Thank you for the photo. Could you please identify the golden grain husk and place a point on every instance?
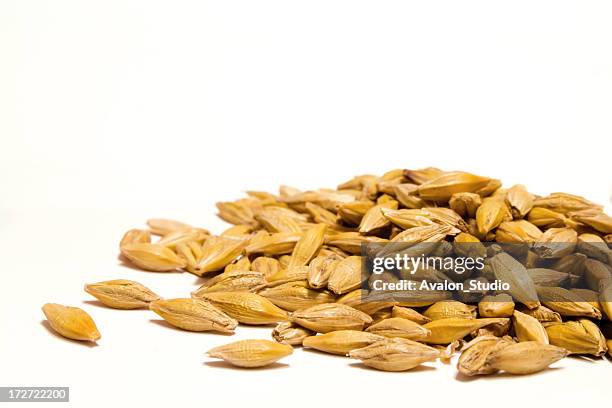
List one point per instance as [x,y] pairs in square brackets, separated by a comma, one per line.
[329,317]
[122,294]
[193,315]
[247,308]
[395,354]
[341,342]
[71,322]
[251,353]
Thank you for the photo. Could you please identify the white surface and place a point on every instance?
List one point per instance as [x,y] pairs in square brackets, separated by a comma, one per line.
[112,112]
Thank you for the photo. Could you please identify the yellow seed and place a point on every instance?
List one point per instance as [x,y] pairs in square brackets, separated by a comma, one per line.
[71,322]
[319,270]
[445,331]
[307,247]
[441,188]
[162,226]
[398,327]
[193,315]
[346,275]
[290,333]
[218,252]
[246,307]
[153,257]
[509,270]
[520,201]
[473,359]
[374,220]
[121,294]
[528,328]
[491,214]
[525,358]
[410,314]
[135,236]
[395,354]
[341,341]
[266,265]
[296,295]
[567,303]
[496,306]
[451,308]
[232,281]
[465,204]
[251,353]
[577,337]
[329,317]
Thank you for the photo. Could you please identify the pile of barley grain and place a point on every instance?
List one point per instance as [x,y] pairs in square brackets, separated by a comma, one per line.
[293,259]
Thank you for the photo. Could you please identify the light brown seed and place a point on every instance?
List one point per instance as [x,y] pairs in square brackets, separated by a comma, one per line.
[341,341]
[528,328]
[566,303]
[153,257]
[450,308]
[251,353]
[442,188]
[308,246]
[496,306]
[395,354]
[122,294]
[410,314]
[465,204]
[520,201]
[577,337]
[162,226]
[398,327]
[320,269]
[247,308]
[491,213]
[446,331]
[193,315]
[296,295]
[346,275]
[331,317]
[232,281]
[135,236]
[71,322]
[525,358]
[473,359]
[509,270]
[217,253]
[290,333]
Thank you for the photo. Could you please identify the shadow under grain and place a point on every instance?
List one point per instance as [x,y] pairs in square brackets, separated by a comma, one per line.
[163,323]
[418,369]
[226,365]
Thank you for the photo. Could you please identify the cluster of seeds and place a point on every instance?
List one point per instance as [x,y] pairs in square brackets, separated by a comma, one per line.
[293,260]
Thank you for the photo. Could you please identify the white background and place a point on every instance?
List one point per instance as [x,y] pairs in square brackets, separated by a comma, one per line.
[113,112]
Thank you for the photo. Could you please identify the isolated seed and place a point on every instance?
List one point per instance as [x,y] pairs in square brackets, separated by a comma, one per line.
[71,322]
[251,353]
